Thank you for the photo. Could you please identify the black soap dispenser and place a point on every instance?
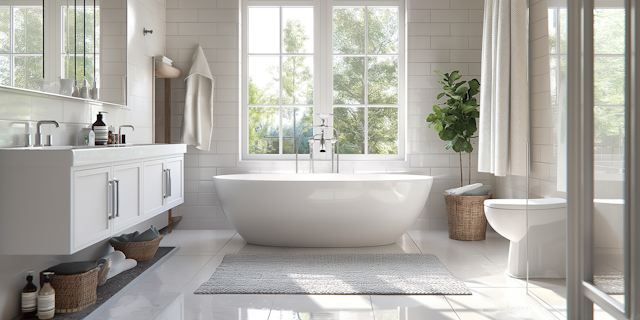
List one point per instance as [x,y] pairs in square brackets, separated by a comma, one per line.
[101,130]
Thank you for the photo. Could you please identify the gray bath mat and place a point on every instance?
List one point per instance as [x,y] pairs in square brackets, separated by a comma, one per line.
[403,273]
[609,283]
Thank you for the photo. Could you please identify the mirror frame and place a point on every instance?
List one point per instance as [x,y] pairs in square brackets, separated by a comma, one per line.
[54,31]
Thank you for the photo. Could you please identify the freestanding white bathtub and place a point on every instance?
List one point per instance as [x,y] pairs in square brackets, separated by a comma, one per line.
[322,210]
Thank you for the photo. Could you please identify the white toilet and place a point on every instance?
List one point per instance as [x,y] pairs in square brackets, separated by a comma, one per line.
[547,235]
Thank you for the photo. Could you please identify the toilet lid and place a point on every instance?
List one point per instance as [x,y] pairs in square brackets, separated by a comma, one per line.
[534,204]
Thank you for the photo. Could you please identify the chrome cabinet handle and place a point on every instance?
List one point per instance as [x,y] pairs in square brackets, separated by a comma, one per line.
[164,185]
[116,184]
[110,200]
[168,183]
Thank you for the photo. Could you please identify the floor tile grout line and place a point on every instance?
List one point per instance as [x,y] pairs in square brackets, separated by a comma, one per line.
[452,308]
[226,243]
[414,242]
[373,313]
[545,303]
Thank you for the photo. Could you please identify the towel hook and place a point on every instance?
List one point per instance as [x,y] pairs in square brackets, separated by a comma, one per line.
[145,31]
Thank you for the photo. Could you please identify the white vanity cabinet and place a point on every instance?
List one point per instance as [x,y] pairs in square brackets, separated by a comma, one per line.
[91,207]
[58,202]
[163,185]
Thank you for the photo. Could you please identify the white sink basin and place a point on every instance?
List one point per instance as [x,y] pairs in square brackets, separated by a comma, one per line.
[42,148]
[85,155]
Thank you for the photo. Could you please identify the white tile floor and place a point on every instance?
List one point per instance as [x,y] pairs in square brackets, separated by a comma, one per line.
[168,290]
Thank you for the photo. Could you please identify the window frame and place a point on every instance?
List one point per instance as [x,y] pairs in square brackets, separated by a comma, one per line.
[323,77]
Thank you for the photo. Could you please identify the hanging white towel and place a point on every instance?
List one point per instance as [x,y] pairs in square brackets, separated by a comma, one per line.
[197,123]
[504,114]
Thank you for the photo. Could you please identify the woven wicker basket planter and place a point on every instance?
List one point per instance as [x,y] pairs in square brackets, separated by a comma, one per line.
[465,217]
[74,292]
[139,251]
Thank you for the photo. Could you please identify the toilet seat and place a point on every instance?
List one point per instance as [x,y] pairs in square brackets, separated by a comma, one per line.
[520,204]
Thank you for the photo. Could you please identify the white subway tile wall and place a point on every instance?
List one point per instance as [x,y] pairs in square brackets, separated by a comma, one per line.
[442,35]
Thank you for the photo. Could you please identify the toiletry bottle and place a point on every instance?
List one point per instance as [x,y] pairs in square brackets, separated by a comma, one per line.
[92,138]
[101,130]
[46,299]
[29,298]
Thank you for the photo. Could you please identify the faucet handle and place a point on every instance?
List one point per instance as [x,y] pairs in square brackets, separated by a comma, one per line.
[49,141]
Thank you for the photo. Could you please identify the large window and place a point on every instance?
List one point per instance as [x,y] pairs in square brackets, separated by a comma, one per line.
[21,46]
[609,73]
[299,61]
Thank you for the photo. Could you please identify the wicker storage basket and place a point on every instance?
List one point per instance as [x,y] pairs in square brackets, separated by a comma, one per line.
[74,292]
[465,217]
[139,251]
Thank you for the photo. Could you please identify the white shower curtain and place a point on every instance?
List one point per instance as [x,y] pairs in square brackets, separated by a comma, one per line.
[504,113]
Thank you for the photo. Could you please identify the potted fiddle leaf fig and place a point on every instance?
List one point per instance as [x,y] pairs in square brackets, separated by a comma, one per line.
[455,119]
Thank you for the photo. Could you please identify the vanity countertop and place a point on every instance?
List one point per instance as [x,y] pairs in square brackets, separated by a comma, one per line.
[71,156]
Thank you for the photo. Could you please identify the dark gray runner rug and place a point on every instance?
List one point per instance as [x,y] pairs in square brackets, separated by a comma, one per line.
[400,273]
[115,284]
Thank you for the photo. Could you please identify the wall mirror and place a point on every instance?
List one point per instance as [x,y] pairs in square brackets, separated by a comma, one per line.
[65,47]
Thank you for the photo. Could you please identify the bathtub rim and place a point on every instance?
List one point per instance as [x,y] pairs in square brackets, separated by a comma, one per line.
[323,177]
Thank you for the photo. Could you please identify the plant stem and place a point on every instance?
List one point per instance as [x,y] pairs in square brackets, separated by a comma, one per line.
[460,153]
[469,168]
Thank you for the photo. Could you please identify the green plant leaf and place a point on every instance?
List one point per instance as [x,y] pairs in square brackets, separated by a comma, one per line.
[455,76]
[468,108]
[468,147]
[441,74]
[459,84]
[457,97]
[448,145]
[438,127]
[448,134]
[462,91]
[451,118]
[431,118]
[474,87]
[441,95]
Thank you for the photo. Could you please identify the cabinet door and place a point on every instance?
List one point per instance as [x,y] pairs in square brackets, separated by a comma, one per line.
[128,179]
[91,206]
[153,187]
[174,181]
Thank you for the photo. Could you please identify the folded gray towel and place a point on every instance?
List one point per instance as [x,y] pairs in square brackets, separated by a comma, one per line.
[151,234]
[148,235]
[69,268]
[126,237]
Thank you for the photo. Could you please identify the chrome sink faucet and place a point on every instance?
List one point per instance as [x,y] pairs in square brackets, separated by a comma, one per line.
[321,138]
[120,131]
[39,140]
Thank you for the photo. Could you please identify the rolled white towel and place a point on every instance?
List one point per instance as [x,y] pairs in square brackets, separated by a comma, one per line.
[116,257]
[461,190]
[122,266]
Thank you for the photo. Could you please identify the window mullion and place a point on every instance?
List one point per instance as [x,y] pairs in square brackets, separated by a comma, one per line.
[11,42]
[366,80]
[280,139]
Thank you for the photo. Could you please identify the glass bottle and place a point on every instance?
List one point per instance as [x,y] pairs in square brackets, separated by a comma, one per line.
[101,130]
[46,299]
[29,297]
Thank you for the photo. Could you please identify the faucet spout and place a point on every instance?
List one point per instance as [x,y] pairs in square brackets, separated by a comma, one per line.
[120,131]
[39,140]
